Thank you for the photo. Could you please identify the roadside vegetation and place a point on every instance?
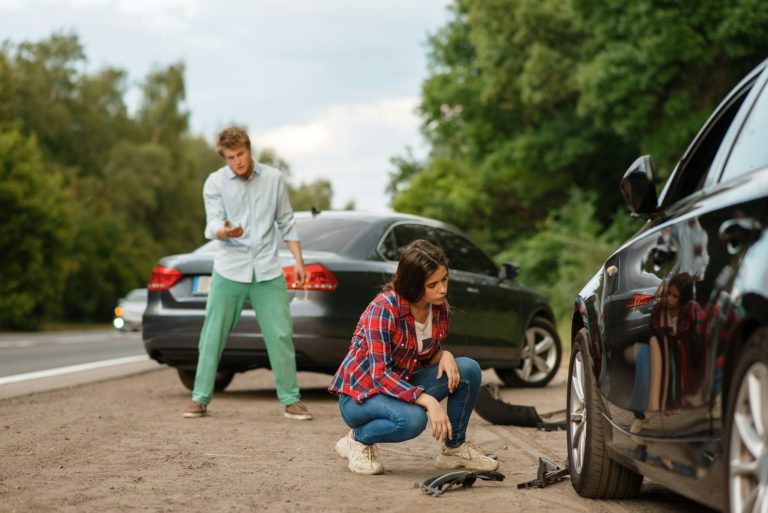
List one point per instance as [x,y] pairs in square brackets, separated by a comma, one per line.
[92,193]
[532,109]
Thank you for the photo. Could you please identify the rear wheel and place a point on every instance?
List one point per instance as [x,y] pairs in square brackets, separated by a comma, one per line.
[593,473]
[748,428]
[223,379]
[542,351]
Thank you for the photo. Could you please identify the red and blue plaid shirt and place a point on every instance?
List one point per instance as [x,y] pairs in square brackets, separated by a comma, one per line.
[384,351]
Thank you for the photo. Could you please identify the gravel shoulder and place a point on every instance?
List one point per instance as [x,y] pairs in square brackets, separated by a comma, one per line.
[122,445]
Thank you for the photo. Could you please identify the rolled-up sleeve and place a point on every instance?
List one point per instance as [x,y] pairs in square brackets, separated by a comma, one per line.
[214,207]
[284,213]
[380,323]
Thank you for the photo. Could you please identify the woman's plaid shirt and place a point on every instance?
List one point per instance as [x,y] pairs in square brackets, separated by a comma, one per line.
[384,351]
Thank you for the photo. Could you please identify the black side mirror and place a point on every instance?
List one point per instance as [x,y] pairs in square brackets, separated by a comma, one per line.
[638,188]
[508,271]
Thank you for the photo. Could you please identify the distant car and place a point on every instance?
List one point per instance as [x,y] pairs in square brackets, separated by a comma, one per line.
[130,310]
[348,257]
[668,374]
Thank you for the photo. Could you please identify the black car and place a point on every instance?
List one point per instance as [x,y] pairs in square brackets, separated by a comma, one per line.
[348,257]
[668,376]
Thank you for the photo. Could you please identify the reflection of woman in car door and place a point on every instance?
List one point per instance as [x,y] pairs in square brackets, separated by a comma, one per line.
[676,323]
[396,373]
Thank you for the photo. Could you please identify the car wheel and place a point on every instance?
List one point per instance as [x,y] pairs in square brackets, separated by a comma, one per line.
[593,473]
[748,428]
[541,354]
[223,379]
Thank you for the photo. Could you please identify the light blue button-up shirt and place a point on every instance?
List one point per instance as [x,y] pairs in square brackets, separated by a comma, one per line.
[261,205]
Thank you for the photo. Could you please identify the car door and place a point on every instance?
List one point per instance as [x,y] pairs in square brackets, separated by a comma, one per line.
[660,374]
[486,315]
[468,290]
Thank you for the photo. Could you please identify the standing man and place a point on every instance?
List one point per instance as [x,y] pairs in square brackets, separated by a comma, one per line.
[247,209]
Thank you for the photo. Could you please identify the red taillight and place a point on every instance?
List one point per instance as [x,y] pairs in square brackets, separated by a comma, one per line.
[639,300]
[319,277]
[162,278]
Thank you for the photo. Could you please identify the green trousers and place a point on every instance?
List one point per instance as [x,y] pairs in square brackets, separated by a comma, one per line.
[225,304]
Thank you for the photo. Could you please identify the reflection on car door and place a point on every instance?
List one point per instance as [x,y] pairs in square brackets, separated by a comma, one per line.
[668,293]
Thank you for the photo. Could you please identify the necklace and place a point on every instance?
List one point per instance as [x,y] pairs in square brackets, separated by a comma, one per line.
[422,327]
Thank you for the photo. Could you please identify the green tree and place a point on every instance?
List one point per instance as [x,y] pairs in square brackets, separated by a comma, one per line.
[36,221]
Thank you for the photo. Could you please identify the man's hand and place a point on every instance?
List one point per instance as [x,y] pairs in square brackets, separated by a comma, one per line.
[299,275]
[447,365]
[228,231]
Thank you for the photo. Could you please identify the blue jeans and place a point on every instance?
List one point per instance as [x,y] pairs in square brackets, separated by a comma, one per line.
[385,419]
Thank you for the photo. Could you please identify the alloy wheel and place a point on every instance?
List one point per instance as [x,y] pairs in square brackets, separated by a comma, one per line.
[748,453]
[539,355]
[577,414]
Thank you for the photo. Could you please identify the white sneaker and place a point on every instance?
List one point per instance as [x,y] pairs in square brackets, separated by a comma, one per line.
[363,459]
[465,456]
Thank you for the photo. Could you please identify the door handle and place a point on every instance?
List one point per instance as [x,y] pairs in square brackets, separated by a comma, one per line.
[738,232]
[473,290]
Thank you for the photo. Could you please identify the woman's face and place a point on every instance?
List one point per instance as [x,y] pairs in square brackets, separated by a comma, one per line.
[436,286]
[673,296]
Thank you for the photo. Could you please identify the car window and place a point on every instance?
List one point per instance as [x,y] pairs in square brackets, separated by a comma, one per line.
[465,256]
[695,169]
[401,235]
[750,151]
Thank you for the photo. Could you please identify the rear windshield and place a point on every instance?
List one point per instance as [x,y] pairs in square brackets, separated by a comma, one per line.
[316,234]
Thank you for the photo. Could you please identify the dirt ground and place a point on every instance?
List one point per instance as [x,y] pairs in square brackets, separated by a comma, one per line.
[122,445]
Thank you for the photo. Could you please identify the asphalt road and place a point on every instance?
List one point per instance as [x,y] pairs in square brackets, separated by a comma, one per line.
[22,353]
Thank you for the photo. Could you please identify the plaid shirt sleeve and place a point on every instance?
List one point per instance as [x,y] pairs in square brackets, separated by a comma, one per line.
[380,323]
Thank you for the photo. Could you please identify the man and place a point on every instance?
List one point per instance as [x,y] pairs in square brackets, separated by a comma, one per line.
[247,208]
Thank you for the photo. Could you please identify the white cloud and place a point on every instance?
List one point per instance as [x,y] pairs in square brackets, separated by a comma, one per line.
[350,145]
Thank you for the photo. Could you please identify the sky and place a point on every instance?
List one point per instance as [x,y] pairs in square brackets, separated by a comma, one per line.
[331,85]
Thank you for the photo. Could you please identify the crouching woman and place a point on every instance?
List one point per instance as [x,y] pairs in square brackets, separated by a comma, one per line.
[395,374]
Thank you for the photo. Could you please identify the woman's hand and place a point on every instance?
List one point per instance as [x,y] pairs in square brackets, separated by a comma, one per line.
[441,424]
[447,365]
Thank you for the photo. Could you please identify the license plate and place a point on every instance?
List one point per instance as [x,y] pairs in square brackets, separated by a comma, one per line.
[201,285]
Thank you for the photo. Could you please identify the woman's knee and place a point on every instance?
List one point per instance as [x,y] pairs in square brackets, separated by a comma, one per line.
[469,370]
[412,422]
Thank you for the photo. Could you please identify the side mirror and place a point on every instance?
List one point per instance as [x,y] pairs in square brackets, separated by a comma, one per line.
[508,271]
[638,188]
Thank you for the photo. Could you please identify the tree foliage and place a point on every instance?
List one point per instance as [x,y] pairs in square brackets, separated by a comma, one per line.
[36,226]
[91,194]
[528,99]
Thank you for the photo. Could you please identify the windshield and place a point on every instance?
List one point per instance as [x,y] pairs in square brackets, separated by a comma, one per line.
[315,233]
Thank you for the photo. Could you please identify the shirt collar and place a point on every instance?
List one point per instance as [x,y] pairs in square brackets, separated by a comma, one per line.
[403,305]
[256,171]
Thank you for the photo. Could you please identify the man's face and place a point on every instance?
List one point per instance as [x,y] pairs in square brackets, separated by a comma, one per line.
[239,160]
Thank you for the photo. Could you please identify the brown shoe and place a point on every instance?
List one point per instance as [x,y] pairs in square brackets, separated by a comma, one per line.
[298,411]
[195,410]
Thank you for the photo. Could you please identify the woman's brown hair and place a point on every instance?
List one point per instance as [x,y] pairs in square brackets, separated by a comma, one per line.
[418,260]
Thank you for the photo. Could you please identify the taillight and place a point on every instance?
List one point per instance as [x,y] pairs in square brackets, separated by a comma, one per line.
[639,300]
[319,277]
[162,278]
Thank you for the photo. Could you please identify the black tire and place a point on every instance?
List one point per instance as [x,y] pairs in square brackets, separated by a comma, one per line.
[540,330]
[223,379]
[593,473]
[744,468]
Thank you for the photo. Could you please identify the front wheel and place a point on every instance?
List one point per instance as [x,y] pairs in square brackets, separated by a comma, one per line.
[541,355]
[221,382]
[593,473]
[748,428]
